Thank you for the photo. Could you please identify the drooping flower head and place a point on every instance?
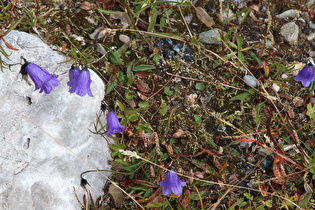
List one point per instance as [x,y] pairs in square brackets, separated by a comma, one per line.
[113,124]
[73,74]
[237,0]
[306,74]
[80,81]
[41,78]
[172,183]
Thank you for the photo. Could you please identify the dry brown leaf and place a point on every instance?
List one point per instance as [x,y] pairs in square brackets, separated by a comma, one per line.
[291,114]
[169,149]
[204,17]
[298,101]
[143,97]
[64,47]
[142,74]
[142,86]
[278,170]
[217,164]
[7,44]
[105,3]
[85,5]
[263,189]
[178,133]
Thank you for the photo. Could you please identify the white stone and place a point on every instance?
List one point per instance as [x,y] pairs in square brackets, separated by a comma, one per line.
[36,172]
[292,13]
[275,87]
[251,81]
[290,33]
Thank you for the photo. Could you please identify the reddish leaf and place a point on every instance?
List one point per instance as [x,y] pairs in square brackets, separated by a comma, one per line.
[263,189]
[278,170]
[142,74]
[85,5]
[186,199]
[143,87]
[105,3]
[7,44]
[143,97]
[178,133]
[64,47]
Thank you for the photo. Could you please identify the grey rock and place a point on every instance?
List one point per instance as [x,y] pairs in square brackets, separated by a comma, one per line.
[292,13]
[290,33]
[36,172]
[251,81]
[310,3]
[211,36]
[305,16]
[312,25]
[124,38]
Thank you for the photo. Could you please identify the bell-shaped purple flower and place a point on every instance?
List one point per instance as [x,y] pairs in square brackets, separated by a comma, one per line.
[80,82]
[306,75]
[237,0]
[73,74]
[41,78]
[172,183]
[113,124]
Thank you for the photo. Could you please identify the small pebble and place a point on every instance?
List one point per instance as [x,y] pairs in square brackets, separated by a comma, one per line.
[276,87]
[124,38]
[290,33]
[306,30]
[211,36]
[292,13]
[250,81]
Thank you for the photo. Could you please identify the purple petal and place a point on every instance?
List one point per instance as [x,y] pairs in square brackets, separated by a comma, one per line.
[172,184]
[80,84]
[306,75]
[73,74]
[41,78]
[113,124]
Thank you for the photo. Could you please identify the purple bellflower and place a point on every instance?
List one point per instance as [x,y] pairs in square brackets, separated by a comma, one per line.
[73,75]
[113,124]
[237,0]
[80,81]
[41,78]
[306,75]
[172,184]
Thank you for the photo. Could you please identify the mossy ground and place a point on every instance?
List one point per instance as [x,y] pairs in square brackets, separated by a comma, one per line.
[209,149]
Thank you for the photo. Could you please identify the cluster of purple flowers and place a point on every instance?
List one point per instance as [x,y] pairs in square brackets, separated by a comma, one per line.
[79,80]
[79,83]
[306,74]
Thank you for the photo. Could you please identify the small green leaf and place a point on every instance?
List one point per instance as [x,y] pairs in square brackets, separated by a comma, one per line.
[255,58]
[242,97]
[200,86]
[232,45]
[156,58]
[240,56]
[310,110]
[164,109]
[251,91]
[111,85]
[197,118]
[239,41]
[143,67]
[114,57]
[167,91]
[143,104]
